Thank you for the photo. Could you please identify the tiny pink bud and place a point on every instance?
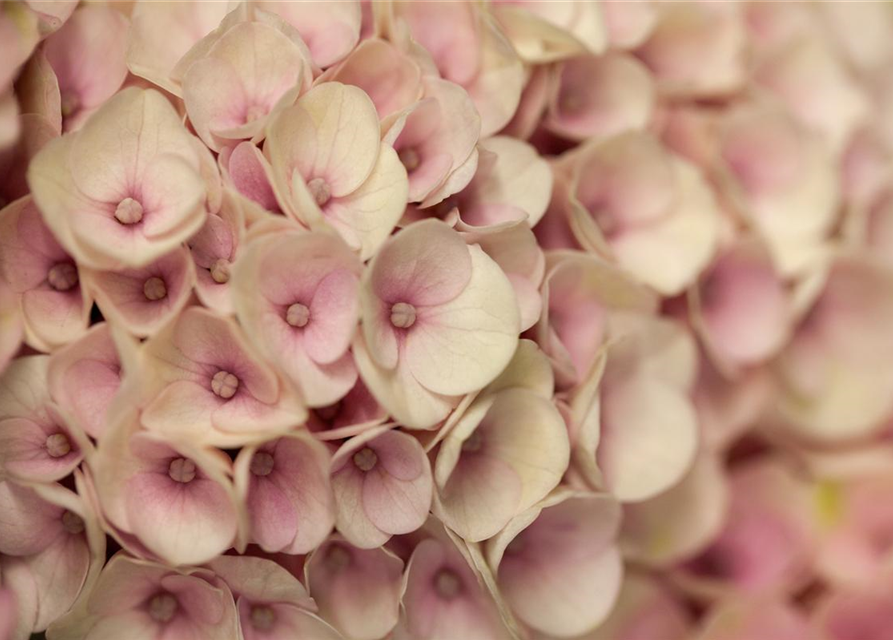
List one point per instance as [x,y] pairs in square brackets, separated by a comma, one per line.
[62,276]
[262,618]
[254,112]
[220,271]
[410,159]
[337,558]
[154,289]
[70,104]
[129,211]
[181,470]
[224,384]
[447,584]
[58,445]
[262,463]
[320,191]
[403,315]
[297,315]
[72,522]
[162,607]
[365,459]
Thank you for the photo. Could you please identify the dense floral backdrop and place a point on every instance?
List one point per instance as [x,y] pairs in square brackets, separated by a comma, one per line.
[467,320]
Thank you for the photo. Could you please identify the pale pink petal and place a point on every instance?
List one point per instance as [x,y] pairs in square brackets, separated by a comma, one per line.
[182,522]
[561,574]
[390,78]
[97,38]
[85,376]
[163,32]
[357,590]
[331,134]
[601,96]
[459,346]
[646,445]
[331,30]
[143,300]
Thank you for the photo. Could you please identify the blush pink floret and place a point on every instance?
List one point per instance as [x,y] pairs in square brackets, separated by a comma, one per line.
[478,320]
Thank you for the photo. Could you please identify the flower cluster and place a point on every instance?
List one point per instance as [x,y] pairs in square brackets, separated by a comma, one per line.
[429,320]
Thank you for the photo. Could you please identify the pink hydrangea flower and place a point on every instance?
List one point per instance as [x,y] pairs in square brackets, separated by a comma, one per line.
[600,96]
[214,250]
[357,590]
[272,604]
[84,377]
[383,486]
[474,53]
[56,538]
[635,448]
[330,167]
[440,320]
[205,380]
[39,443]
[512,182]
[567,539]
[284,485]
[634,201]
[175,499]
[443,597]
[44,278]
[390,77]
[145,299]
[227,98]
[435,140]
[155,602]
[513,441]
[127,187]
[296,294]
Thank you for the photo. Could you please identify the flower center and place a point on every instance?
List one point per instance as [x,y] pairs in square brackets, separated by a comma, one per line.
[410,159]
[403,315]
[154,289]
[129,211]
[571,101]
[70,104]
[162,607]
[447,584]
[337,558]
[182,470]
[72,522]
[220,271]
[365,459]
[297,315]
[58,445]
[262,618]
[62,276]
[473,443]
[254,112]
[224,384]
[262,463]
[320,191]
